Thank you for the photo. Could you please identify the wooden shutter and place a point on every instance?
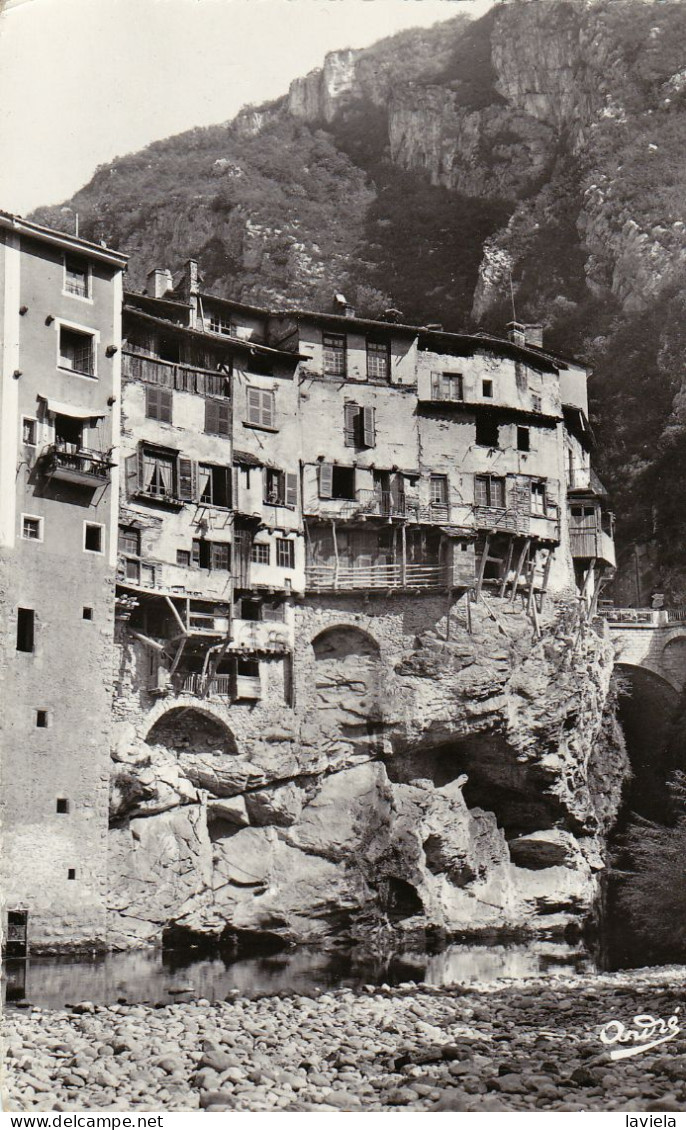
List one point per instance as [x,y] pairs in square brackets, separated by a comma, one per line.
[268,409]
[217,417]
[254,406]
[352,412]
[132,473]
[195,552]
[325,480]
[368,429]
[291,490]
[165,405]
[188,479]
[436,386]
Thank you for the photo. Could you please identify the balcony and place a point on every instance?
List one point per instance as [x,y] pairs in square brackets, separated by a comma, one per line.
[578,478]
[181,378]
[259,635]
[589,541]
[73,464]
[227,687]
[327,578]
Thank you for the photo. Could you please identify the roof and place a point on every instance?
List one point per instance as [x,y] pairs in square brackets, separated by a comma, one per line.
[216,339]
[62,239]
[158,305]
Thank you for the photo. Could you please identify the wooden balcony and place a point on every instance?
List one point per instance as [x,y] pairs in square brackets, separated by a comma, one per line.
[589,541]
[78,465]
[332,578]
[181,378]
[226,687]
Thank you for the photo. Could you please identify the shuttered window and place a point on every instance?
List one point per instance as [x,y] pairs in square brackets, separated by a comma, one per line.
[217,417]
[378,361]
[325,480]
[261,407]
[447,386]
[187,479]
[158,403]
[359,429]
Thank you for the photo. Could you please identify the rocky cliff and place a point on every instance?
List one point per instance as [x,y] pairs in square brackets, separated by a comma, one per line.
[456,785]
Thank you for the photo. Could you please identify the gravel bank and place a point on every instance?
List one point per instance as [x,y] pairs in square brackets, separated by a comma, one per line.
[525,1045]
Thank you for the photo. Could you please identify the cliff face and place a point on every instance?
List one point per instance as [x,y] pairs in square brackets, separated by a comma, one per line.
[459,784]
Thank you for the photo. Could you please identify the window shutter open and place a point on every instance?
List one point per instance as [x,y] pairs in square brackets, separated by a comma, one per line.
[291,490]
[254,406]
[165,402]
[368,429]
[325,480]
[435,386]
[188,479]
[132,472]
[349,425]
[268,409]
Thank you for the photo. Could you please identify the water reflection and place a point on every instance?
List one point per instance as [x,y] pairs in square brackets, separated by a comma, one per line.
[154,976]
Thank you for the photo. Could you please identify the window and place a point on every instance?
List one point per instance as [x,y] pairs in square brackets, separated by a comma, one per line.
[211,554]
[336,482]
[438,490]
[538,502]
[217,417]
[487,389]
[86,612]
[523,439]
[280,489]
[158,403]
[76,277]
[359,426]
[62,805]
[486,430]
[260,408]
[285,553]
[158,473]
[222,324]
[77,351]
[334,355]
[31,528]
[29,431]
[68,433]
[42,719]
[92,537]
[378,360]
[168,349]
[536,403]
[489,490]
[129,540]
[447,386]
[214,484]
[248,609]
[25,629]
[71,873]
[260,553]
[183,557]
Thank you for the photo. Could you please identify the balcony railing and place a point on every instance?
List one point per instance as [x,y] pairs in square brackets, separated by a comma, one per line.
[588,541]
[221,686]
[332,577]
[182,378]
[73,464]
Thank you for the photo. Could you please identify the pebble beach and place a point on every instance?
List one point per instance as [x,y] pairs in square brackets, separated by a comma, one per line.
[530,1044]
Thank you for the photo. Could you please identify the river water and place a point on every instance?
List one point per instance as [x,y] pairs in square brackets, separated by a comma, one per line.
[172,975]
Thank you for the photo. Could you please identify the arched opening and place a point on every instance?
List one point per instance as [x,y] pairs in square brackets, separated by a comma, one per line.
[674,660]
[347,676]
[187,730]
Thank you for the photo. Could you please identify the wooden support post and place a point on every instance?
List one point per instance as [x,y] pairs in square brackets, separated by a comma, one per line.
[335,553]
[447,615]
[146,640]
[403,560]
[508,566]
[520,565]
[177,657]
[546,578]
[178,619]
[482,567]
[534,615]
[469,611]
[532,578]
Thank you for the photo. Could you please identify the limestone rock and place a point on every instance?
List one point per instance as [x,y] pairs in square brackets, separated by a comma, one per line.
[279,804]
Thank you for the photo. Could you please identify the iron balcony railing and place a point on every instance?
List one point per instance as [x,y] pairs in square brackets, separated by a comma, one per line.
[76,464]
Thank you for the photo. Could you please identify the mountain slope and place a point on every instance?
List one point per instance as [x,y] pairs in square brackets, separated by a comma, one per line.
[541,144]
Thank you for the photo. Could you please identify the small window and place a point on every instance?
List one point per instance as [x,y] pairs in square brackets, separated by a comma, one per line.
[438,490]
[210,554]
[132,571]
[168,349]
[274,486]
[538,503]
[217,417]
[222,324]
[29,431]
[447,386]
[259,553]
[249,609]
[76,277]
[158,403]
[130,540]
[489,490]
[31,528]
[536,403]
[261,411]
[42,719]
[486,430]
[487,389]
[523,439]
[378,360]
[25,629]
[334,355]
[92,537]
[87,612]
[285,553]
[71,873]
[214,485]
[359,429]
[62,805]
[147,575]
[183,557]
[77,351]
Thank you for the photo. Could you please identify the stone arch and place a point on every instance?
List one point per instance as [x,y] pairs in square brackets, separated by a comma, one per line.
[191,730]
[648,705]
[347,676]
[673,659]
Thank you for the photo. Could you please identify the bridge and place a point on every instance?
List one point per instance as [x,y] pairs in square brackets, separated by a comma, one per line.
[652,639]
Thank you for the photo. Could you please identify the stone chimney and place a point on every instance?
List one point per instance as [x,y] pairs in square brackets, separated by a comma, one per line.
[525,333]
[342,306]
[159,282]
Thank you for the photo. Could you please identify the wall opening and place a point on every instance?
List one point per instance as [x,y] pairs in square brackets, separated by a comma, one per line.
[187,730]
[25,629]
[347,679]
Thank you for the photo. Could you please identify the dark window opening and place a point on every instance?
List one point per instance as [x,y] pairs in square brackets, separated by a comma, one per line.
[214,485]
[62,805]
[29,428]
[250,668]
[68,433]
[25,629]
[87,612]
[42,719]
[487,389]
[250,609]
[92,540]
[523,439]
[168,349]
[343,482]
[71,873]
[261,364]
[486,430]
[274,486]
[359,426]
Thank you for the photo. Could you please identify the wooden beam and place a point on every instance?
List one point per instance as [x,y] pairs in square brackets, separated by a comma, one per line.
[546,577]
[403,561]
[178,619]
[520,563]
[532,578]
[146,640]
[508,566]
[482,567]
[177,657]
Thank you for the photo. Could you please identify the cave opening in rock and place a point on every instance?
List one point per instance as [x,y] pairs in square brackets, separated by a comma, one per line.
[400,899]
[649,714]
[188,730]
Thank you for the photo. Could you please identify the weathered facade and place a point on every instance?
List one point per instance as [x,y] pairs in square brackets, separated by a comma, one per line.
[346,548]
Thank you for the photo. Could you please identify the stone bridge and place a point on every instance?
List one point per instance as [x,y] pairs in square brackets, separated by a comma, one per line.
[652,639]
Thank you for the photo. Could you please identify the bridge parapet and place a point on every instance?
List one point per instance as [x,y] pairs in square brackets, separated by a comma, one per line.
[643,617]
[652,638]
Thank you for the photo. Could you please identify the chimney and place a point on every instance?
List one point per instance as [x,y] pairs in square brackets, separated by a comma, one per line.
[525,333]
[158,282]
[342,306]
